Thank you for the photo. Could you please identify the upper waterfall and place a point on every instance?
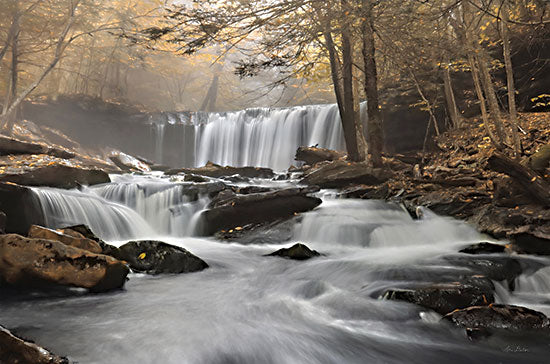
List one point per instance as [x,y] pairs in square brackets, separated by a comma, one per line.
[261,137]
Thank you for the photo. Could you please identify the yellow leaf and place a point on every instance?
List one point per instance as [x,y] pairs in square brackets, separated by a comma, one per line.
[142,256]
[534,179]
[238,228]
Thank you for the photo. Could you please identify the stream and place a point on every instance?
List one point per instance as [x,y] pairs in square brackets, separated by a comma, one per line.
[248,308]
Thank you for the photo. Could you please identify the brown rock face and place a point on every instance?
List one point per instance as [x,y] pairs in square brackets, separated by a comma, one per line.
[31,262]
[215,170]
[339,174]
[67,237]
[16,350]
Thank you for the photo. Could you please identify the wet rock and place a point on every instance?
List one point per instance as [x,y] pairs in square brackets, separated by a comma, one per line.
[156,257]
[40,263]
[21,207]
[66,237]
[339,174]
[295,252]
[240,210]
[484,248]
[497,316]
[59,176]
[16,350]
[313,155]
[128,163]
[276,232]
[497,268]
[446,297]
[217,171]
[86,232]
[195,178]
[531,242]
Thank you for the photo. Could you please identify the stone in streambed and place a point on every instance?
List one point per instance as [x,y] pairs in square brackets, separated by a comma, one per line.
[496,316]
[21,207]
[446,297]
[314,155]
[217,171]
[41,263]
[66,237]
[57,175]
[340,174]
[230,210]
[295,252]
[157,257]
[16,350]
[83,231]
[483,248]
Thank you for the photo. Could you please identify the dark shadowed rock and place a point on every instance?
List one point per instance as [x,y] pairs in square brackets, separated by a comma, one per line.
[156,257]
[276,232]
[529,242]
[339,174]
[484,248]
[21,207]
[296,252]
[313,155]
[40,263]
[14,350]
[446,297]
[59,176]
[498,268]
[217,171]
[68,238]
[496,316]
[239,210]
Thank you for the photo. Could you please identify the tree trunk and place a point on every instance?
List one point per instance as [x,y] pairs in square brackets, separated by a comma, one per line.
[488,87]
[454,115]
[375,131]
[14,72]
[510,80]
[209,102]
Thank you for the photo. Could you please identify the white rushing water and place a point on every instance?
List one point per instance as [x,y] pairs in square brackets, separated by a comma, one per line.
[259,137]
[248,308]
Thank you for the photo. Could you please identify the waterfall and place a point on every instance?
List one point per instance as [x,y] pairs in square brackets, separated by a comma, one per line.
[260,137]
[118,211]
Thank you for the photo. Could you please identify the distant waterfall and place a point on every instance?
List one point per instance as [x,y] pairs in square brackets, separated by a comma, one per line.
[259,137]
[118,211]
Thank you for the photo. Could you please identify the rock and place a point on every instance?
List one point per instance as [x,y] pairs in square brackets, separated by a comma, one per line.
[11,146]
[339,174]
[217,171]
[529,242]
[313,155]
[484,248]
[27,262]
[21,207]
[295,252]
[84,231]
[59,176]
[446,297]
[276,232]
[3,220]
[195,178]
[128,163]
[540,160]
[240,210]
[156,257]
[68,237]
[496,316]
[16,350]
[498,268]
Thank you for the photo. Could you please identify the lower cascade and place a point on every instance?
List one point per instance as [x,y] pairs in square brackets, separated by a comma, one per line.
[259,137]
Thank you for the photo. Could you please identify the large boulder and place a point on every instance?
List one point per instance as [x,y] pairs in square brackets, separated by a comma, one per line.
[295,252]
[495,316]
[340,174]
[217,171]
[57,175]
[446,297]
[21,207]
[83,231]
[483,248]
[157,257]
[239,210]
[314,155]
[16,350]
[67,237]
[40,263]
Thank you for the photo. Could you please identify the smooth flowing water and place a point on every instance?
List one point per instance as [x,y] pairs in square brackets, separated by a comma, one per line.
[248,308]
[260,137]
